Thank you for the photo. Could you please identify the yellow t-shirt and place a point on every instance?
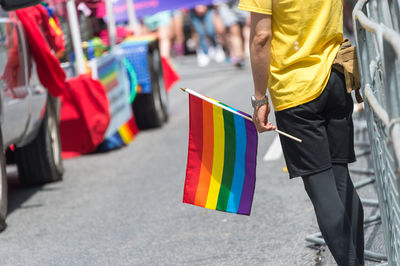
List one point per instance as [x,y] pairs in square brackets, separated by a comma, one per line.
[306,35]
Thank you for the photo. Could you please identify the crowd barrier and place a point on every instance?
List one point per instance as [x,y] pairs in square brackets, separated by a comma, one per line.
[377,29]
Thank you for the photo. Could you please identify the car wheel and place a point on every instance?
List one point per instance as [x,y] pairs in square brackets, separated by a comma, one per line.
[3,186]
[151,109]
[40,161]
[158,74]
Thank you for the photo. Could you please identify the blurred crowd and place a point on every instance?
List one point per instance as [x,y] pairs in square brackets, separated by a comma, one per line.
[218,32]
[215,32]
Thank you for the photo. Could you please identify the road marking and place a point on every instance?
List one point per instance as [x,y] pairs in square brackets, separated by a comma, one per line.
[275,150]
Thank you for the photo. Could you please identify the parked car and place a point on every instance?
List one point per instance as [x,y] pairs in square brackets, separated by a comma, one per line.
[29,115]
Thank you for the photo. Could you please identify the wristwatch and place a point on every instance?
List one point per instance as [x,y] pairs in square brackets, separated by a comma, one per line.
[255,103]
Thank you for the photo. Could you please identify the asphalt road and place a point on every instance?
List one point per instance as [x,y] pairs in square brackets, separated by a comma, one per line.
[125,207]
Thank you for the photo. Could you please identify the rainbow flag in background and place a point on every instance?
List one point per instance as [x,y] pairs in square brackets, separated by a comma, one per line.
[108,74]
[123,136]
[221,166]
[128,131]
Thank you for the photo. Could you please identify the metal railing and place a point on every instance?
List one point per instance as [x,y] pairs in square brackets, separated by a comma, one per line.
[377,33]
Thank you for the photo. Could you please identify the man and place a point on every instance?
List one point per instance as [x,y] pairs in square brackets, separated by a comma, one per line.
[292,47]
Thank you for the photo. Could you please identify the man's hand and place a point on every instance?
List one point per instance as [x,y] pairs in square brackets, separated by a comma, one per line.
[260,118]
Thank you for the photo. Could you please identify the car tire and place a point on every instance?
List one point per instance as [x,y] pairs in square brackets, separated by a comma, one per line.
[151,109]
[40,161]
[3,186]
[158,74]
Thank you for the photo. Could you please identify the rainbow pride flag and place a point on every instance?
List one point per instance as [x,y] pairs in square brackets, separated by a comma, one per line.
[221,166]
[128,131]
[123,136]
[108,74]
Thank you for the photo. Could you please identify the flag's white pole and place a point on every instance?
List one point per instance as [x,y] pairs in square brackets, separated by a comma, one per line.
[233,111]
[288,135]
[215,103]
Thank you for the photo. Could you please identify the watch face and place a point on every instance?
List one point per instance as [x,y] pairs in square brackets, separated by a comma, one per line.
[256,103]
[253,101]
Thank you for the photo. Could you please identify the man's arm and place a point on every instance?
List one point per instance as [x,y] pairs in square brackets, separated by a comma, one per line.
[260,44]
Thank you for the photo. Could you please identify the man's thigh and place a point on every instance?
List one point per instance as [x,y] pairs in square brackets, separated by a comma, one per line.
[325,127]
[312,155]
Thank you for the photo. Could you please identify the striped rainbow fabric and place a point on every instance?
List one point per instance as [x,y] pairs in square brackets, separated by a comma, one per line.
[221,166]
[108,74]
[128,131]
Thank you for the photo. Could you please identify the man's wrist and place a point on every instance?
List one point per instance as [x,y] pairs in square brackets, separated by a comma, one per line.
[259,101]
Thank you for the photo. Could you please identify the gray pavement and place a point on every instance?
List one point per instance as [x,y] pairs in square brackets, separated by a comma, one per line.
[125,207]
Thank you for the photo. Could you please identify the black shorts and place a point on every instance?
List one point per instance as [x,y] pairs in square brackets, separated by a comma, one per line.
[326,127]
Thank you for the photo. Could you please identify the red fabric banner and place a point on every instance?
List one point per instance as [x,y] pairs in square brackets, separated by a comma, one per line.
[85,116]
[50,73]
[169,73]
[85,113]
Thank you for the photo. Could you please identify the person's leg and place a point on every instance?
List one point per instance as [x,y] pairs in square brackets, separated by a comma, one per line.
[164,34]
[331,216]
[215,50]
[234,19]
[236,44]
[199,28]
[339,126]
[210,28]
[246,37]
[220,28]
[353,206]
[161,23]
[179,37]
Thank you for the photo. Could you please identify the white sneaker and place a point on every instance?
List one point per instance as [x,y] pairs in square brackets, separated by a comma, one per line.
[202,59]
[211,52]
[219,56]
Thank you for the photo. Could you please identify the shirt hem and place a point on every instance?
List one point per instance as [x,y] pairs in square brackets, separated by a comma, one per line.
[344,160]
[310,172]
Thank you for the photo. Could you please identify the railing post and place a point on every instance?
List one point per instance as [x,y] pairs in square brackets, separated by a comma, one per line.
[112,29]
[133,22]
[76,36]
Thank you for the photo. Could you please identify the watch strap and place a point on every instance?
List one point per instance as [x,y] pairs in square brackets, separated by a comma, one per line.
[255,103]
